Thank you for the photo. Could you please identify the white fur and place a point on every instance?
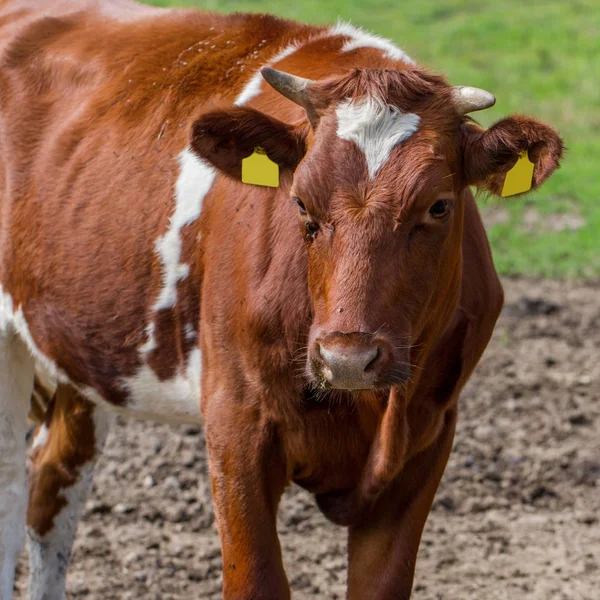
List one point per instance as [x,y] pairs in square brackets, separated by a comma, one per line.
[49,556]
[41,437]
[176,399]
[11,318]
[6,312]
[252,88]
[375,127]
[150,344]
[190,334]
[173,400]
[362,39]
[16,385]
[194,182]
[46,381]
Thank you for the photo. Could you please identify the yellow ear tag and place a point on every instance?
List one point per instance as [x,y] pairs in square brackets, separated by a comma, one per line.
[259,169]
[519,178]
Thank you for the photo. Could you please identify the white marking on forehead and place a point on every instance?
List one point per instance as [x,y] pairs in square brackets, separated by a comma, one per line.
[252,88]
[363,39]
[375,127]
[194,182]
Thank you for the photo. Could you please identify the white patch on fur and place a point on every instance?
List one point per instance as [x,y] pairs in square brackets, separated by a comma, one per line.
[163,410]
[194,374]
[16,385]
[363,39]
[194,182]
[49,556]
[253,87]
[46,381]
[172,417]
[174,400]
[6,312]
[375,127]
[190,334]
[15,320]
[150,344]
[41,437]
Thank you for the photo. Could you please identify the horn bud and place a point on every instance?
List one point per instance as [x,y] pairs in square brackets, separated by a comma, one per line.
[469,99]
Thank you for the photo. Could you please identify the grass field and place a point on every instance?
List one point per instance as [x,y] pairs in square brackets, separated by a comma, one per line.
[540,57]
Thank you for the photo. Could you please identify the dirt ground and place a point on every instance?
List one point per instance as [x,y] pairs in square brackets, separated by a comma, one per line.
[517,514]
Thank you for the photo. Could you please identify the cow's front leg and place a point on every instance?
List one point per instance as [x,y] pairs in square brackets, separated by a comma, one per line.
[383,547]
[248,477]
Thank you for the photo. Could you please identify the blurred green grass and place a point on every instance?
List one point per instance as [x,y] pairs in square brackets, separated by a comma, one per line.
[540,57]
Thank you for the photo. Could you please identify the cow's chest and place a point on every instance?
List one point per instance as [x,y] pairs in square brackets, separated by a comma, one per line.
[329,450]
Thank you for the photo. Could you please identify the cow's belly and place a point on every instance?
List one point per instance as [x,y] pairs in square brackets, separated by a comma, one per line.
[139,391]
[169,402]
[173,400]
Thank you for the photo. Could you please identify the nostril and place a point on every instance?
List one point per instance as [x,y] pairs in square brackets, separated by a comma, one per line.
[371,359]
[322,352]
[328,359]
[327,356]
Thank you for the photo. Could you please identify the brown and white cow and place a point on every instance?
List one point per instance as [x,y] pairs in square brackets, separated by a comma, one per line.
[322,328]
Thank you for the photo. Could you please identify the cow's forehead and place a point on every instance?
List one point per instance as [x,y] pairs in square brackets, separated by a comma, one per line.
[340,187]
[371,149]
[375,127]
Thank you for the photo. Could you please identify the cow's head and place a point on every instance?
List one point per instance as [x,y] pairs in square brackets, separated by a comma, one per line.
[378,183]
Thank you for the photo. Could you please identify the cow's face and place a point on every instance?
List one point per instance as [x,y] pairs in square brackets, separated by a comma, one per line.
[378,186]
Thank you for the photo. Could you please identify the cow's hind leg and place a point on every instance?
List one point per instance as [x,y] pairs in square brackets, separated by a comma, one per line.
[64,454]
[16,383]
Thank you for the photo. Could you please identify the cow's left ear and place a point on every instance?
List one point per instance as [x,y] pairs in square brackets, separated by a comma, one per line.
[489,154]
[225,137]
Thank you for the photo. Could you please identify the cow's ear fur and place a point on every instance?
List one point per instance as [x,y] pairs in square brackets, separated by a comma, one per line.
[489,154]
[225,137]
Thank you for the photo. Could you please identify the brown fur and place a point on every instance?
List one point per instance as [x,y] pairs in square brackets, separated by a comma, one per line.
[95,112]
[55,465]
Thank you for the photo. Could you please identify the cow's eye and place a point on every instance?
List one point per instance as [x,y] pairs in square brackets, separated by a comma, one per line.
[439,209]
[301,206]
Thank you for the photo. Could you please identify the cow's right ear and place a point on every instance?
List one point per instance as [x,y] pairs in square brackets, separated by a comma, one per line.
[225,137]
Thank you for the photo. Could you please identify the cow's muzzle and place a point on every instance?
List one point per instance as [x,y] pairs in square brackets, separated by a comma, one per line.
[355,361]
